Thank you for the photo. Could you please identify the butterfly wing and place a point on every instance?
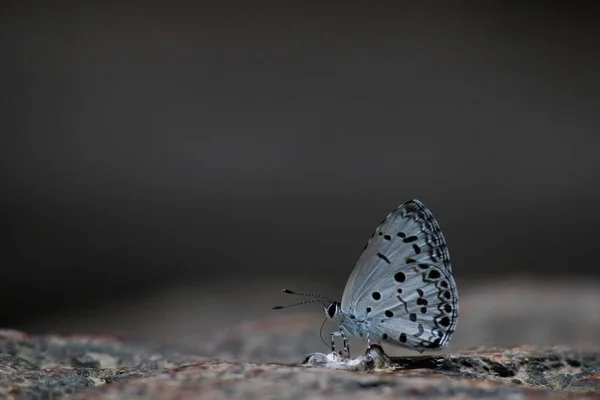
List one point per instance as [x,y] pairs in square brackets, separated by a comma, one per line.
[402,285]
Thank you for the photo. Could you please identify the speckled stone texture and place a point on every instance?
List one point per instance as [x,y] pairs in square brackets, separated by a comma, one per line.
[44,367]
[259,356]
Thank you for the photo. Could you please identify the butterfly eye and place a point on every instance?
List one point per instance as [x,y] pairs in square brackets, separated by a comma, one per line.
[332,310]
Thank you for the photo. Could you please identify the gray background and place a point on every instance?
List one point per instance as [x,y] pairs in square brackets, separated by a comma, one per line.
[230,150]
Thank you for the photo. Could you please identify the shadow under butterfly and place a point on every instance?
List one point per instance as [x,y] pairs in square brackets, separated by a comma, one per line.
[401,290]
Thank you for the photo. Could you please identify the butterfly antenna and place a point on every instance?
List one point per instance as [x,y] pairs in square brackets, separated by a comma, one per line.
[321,333]
[297,304]
[307,294]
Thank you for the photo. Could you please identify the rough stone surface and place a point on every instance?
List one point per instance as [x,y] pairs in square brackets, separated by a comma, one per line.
[45,367]
[186,347]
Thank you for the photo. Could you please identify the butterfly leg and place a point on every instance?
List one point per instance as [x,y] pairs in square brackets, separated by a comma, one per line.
[345,340]
[333,335]
[346,345]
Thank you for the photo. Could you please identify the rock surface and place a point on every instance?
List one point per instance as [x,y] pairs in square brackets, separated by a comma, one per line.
[47,366]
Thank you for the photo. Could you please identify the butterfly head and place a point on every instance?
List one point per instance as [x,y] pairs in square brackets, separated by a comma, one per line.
[332,309]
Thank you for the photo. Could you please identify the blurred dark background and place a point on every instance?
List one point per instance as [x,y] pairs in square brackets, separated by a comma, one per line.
[225,151]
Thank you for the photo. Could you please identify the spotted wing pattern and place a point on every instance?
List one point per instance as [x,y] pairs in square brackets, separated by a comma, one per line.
[402,289]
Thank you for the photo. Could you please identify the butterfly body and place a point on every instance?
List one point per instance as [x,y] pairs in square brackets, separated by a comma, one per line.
[401,290]
[349,324]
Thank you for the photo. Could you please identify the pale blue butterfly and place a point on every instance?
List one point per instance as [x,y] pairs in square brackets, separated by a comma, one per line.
[401,290]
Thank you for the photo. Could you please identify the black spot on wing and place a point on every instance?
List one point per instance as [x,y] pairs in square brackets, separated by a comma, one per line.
[416,248]
[434,274]
[400,277]
[384,258]
[422,302]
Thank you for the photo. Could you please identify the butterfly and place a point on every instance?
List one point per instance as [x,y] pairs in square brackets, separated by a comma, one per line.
[401,290]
